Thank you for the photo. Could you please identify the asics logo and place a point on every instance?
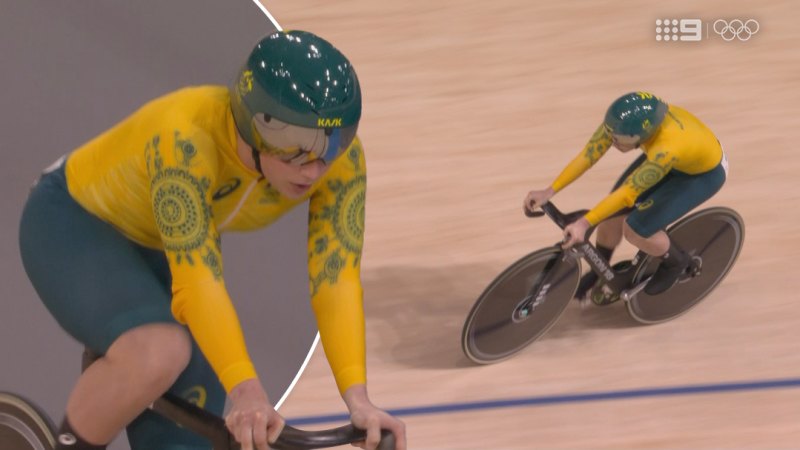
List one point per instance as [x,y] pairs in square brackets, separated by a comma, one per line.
[227,188]
[196,395]
[736,29]
[645,204]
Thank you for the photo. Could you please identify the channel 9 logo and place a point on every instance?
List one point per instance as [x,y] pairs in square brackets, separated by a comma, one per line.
[695,30]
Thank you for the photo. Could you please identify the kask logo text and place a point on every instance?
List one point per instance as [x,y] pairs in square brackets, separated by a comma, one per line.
[326,123]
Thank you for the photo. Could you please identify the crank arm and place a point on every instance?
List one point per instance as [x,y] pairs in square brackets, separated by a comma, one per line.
[627,295]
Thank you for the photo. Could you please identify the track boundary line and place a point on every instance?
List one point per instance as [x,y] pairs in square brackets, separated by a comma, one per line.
[696,389]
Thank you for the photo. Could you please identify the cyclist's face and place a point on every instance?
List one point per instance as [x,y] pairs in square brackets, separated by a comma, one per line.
[624,143]
[291,179]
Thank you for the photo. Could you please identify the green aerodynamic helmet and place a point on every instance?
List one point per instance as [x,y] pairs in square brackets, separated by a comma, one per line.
[297,97]
[636,114]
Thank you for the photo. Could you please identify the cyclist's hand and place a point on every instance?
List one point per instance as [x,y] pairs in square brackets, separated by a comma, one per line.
[252,420]
[366,416]
[538,198]
[575,232]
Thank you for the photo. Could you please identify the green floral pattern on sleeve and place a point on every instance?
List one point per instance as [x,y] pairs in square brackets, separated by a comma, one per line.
[182,214]
[338,229]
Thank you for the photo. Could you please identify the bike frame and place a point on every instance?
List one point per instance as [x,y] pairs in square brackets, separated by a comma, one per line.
[196,419]
[617,284]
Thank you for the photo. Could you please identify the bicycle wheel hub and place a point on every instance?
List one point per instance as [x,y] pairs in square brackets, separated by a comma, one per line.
[524,309]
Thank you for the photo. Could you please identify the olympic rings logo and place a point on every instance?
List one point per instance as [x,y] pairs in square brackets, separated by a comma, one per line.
[736,29]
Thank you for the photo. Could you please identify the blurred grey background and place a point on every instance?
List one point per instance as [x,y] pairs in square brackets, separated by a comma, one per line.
[69,71]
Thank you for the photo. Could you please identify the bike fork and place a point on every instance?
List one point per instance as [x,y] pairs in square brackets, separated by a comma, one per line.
[538,293]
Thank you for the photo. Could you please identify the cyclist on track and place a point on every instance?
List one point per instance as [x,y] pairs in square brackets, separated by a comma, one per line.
[121,240]
[682,166]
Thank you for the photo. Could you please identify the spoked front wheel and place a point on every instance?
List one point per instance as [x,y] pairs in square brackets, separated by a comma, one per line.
[23,426]
[713,238]
[500,324]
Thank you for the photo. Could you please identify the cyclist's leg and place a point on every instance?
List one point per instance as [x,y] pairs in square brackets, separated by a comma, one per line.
[678,194]
[113,296]
[138,367]
[609,234]
[654,243]
[103,292]
[197,384]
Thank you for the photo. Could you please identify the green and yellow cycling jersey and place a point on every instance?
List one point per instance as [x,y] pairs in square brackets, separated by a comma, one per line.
[682,143]
[168,177]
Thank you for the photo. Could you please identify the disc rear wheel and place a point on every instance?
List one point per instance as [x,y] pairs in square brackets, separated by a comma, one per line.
[23,426]
[713,237]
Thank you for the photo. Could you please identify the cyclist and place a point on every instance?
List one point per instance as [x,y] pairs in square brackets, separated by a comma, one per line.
[121,240]
[682,166]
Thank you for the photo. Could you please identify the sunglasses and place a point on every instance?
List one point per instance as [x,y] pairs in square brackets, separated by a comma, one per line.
[298,145]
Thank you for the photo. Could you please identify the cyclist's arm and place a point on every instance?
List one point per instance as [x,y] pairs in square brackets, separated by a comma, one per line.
[597,146]
[335,237]
[181,168]
[650,172]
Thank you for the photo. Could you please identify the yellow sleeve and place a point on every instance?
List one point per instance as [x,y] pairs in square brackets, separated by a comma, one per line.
[181,166]
[597,146]
[335,239]
[652,170]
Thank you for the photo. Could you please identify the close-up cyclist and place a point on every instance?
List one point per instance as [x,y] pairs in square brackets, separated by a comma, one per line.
[121,239]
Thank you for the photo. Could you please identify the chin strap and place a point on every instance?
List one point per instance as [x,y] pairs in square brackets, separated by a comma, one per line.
[257,161]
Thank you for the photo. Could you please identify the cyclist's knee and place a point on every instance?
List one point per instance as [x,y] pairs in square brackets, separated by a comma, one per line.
[159,352]
[636,237]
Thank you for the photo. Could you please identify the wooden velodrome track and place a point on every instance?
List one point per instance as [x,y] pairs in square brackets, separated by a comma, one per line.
[469,104]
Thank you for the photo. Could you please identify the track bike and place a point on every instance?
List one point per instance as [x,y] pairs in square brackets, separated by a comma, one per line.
[528,297]
[25,426]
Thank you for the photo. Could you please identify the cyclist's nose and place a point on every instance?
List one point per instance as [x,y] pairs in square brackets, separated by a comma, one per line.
[313,169]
